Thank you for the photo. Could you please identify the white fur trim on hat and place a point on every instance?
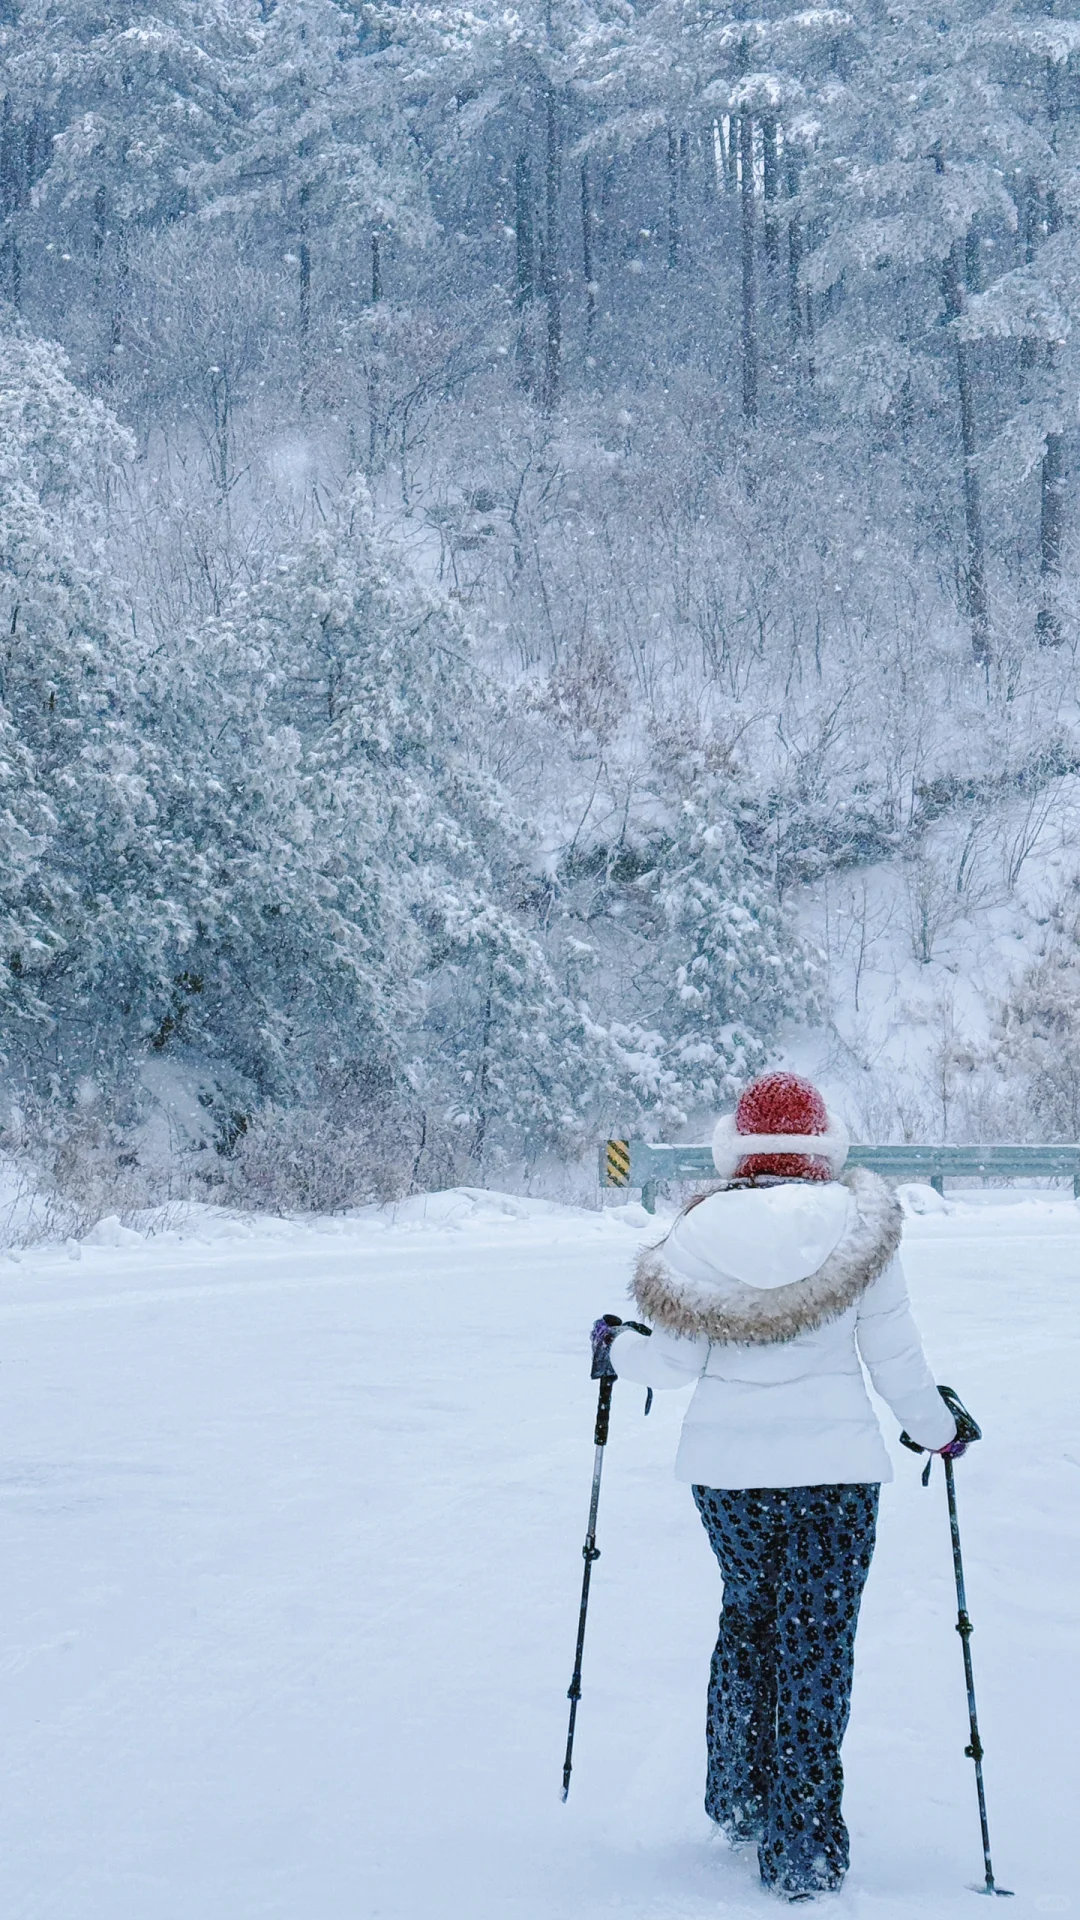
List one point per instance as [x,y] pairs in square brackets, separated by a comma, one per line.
[729,1146]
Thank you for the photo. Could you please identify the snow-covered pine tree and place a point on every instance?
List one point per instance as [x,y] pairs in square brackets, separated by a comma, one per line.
[63,688]
[737,970]
[168,834]
[134,101]
[517,1067]
[450,1005]
[693,963]
[750,89]
[1031,305]
[324,160]
[266,851]
[119,892]
[911,192]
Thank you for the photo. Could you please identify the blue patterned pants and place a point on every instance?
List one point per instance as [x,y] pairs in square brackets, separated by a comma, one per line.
[794,1562]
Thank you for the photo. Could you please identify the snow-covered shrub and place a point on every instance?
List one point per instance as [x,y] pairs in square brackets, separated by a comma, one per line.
[1038,1040]
[932,904]
[75,1163]
[299,1160]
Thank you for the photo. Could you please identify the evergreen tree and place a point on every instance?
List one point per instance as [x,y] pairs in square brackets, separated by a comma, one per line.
[695,965]
[66,751]
[416,850]
[323,154]
[910,189]
[134,102]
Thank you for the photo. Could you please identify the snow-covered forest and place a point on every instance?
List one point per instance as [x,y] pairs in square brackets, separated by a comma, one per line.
[537,573]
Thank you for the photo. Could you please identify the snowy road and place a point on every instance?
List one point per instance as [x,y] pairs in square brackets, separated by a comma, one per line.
[292,1530]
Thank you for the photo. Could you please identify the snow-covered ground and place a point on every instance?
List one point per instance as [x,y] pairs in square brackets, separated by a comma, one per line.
[292,1521]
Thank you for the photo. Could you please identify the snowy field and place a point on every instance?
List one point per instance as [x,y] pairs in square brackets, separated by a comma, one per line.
[293,1517]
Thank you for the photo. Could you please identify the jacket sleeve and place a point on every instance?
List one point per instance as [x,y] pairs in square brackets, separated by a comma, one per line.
[660,1359]
[892,1351]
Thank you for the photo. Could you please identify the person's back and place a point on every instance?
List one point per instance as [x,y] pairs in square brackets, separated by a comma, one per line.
[771,1294]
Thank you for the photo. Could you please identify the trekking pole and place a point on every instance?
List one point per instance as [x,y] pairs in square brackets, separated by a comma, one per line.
[967,1430]
[603,1371]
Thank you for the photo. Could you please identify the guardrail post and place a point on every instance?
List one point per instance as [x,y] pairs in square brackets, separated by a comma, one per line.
[937,1181]
[648,1196]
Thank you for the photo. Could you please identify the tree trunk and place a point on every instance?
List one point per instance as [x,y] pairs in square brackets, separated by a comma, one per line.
[552,290]
[120,297]
[99,231]
[373,419]
[523,231]
[221,399]
[771,158]
[38,145]
[794,252]
[1053,120]
[749,283]
[973,260]
[730,147]
[1048,623]
[304,290]
[480,1082]
[11,139]
[975,559]
[1030,229]
[373,373]
[14,138]
[525,251]
[587,250]
[36,150]
[714,162]
[1052,478]
[673,198]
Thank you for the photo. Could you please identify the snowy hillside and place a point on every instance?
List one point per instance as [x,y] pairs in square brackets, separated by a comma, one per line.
[538,557]
[293,1526]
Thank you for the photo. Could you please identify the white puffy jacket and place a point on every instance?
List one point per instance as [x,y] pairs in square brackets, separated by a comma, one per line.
[769,1298]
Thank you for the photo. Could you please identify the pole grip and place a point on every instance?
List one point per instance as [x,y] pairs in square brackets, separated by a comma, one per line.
[967,1429]
[603,1410]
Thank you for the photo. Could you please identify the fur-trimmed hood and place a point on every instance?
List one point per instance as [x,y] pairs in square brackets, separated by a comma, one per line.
[684,1298]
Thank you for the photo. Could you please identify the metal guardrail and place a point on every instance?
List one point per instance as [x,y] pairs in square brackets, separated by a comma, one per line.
[637,1163]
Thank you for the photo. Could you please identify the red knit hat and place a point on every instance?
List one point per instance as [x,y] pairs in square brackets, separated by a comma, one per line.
[780,1107]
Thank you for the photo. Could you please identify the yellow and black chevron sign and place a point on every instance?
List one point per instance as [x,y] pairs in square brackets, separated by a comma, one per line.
[617,1163]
